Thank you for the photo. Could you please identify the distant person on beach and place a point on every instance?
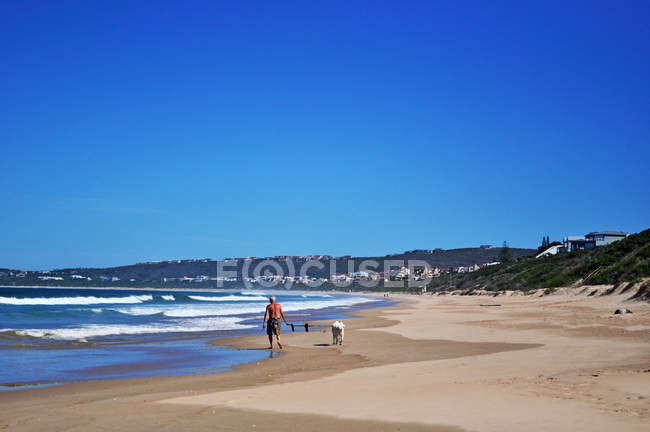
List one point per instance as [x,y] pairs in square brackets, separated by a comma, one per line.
[273,325]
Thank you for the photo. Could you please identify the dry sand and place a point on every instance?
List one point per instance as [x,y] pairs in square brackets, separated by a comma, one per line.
[560,363]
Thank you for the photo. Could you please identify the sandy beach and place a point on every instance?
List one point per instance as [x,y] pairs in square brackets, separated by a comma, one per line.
[443,363]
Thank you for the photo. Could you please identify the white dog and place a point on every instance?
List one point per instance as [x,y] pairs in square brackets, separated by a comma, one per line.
[338,331]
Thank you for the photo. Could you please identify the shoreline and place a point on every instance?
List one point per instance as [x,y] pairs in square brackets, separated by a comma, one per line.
[425,363]
[199,342]
[293,363]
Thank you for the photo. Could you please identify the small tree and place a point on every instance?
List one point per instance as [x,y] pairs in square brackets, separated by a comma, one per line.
[506,253]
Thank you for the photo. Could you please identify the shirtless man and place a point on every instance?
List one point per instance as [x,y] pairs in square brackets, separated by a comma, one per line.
[273,312]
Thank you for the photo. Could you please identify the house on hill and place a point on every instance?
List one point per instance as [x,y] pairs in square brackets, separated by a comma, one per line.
[591,240]
[603,238]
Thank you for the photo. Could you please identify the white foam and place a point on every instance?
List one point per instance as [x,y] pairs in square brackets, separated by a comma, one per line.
[228,298]
[97,330]
[321,304]
[199,310]
[53,301]
[168,297]
[144,310]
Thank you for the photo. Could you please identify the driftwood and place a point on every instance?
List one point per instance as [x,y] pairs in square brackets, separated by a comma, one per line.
[293,327]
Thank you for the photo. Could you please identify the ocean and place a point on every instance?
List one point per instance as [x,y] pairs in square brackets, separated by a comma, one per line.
[50,336]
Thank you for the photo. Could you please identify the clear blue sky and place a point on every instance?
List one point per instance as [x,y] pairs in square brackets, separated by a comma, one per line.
[133,132]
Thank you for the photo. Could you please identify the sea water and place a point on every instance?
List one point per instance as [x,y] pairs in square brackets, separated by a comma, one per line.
[50,335]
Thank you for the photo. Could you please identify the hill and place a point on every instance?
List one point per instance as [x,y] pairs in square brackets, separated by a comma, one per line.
[624,261]
[158,274]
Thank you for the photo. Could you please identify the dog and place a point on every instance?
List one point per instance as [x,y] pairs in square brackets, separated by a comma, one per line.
[338,331]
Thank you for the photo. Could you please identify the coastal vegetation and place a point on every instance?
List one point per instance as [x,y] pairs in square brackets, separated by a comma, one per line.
[622,263]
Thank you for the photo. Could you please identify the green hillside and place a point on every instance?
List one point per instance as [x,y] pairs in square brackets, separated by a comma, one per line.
[626,260]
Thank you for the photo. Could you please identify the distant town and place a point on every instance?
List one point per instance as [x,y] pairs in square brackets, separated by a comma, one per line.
[290,269]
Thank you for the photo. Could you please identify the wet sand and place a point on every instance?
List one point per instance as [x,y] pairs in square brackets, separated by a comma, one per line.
[429,363]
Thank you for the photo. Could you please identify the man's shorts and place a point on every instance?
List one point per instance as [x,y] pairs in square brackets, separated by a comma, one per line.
[273,327]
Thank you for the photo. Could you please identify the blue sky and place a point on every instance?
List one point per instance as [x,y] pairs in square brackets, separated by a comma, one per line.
[214,129]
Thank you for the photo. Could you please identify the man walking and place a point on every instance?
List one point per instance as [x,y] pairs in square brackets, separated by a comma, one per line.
[273,325]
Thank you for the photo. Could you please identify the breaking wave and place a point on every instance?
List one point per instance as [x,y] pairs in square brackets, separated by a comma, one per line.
[228,298]
[202,310]
[95,330]
[54,301]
